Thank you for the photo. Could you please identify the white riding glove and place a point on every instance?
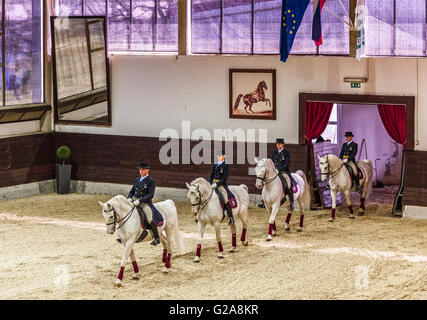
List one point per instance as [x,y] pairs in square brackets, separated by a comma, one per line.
[136,202]
[213,185]
[130,200]
[277,171]
[345,160]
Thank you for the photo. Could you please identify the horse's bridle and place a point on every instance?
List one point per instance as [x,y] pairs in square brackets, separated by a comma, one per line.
[264,182]
[116,221]
[201,204]
[329,173]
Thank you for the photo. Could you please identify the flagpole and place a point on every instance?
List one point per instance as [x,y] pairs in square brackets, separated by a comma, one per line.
[339,18]
[351,22]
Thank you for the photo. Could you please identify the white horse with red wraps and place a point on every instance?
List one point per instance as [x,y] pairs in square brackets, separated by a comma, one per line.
[122,216]
[333,168]
[267,179]
[206,207]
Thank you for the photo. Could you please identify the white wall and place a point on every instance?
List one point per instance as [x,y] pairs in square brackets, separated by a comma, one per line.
[151,93]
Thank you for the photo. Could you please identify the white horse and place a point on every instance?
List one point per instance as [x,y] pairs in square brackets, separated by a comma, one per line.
[268,180]
[333,168]
[205,205]
[121,216]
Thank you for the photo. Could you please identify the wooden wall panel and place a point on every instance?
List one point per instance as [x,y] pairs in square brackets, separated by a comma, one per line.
[109,158]
[415,190]
[26,159]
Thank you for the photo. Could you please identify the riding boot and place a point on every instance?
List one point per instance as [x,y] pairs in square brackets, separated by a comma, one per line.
[261,204]
[142,236]
[156,240]
[229,213]
[356,181]
[291,198]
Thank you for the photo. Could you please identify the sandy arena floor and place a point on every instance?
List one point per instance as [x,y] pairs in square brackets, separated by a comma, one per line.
[56,247]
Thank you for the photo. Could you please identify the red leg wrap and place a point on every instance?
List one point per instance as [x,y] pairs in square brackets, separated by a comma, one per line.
[243,237]
[199,249]
[233,240]
[362,203]
[274,225]
[135,267]
[220,248]
[301,221]
[333,213]
[350,208]
[288,218]
[165,253]
[168,261]
[270,229]
[122,270]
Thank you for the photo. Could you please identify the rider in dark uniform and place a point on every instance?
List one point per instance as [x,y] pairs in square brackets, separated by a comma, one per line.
[348,155]
[141,195]
[282,160]
[218,180]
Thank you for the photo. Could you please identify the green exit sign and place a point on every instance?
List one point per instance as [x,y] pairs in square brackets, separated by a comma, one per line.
[355,85]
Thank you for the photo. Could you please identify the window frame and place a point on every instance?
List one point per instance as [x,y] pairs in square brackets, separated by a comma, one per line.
[24,109]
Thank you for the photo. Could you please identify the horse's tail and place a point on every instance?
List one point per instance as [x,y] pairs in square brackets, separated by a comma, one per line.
[176,236]
[244,198]
[306,196]
[371,175]
[236,104]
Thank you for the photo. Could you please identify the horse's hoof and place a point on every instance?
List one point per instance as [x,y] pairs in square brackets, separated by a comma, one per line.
[351,217]
[196,260]
[287,228]
[118,283]
[331,220]
[245,244]
[220,255]
[165,270]
[269,238]
[232,250]
[135,277]
[299,229]
[361,212]
[274,233]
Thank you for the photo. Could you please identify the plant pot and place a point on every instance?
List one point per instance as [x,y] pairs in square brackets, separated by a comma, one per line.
[63,178]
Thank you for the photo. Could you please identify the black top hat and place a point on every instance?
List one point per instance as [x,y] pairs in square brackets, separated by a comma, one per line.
[144,165]
[280,140]
[220,152]
[348,134]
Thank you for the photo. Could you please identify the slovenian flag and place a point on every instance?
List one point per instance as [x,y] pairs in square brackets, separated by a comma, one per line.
[317,24]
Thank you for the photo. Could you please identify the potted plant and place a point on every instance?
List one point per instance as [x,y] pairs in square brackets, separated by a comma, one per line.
[63,171]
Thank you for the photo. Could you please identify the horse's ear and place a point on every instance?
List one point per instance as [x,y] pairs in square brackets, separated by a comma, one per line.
[256,160]
[101,204]
[187,185]
[318,157]
[198,186]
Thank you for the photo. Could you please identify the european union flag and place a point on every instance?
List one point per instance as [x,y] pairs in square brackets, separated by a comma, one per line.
[292,14]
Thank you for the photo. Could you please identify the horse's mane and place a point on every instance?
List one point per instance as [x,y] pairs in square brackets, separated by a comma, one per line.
[199,181]
[119,202]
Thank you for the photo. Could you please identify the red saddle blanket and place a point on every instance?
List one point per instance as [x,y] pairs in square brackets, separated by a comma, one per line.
[232,201]
[294,188]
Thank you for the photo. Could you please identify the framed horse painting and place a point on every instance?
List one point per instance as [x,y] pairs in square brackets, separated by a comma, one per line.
[253,94]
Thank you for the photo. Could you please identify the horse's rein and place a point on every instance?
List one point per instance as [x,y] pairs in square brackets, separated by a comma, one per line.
[126,217]
[200,204]
[329,173]
[264,182]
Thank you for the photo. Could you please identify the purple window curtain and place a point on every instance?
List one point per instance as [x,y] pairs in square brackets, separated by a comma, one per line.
[225,26]
[133,25]
[23,52]
[406,37]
